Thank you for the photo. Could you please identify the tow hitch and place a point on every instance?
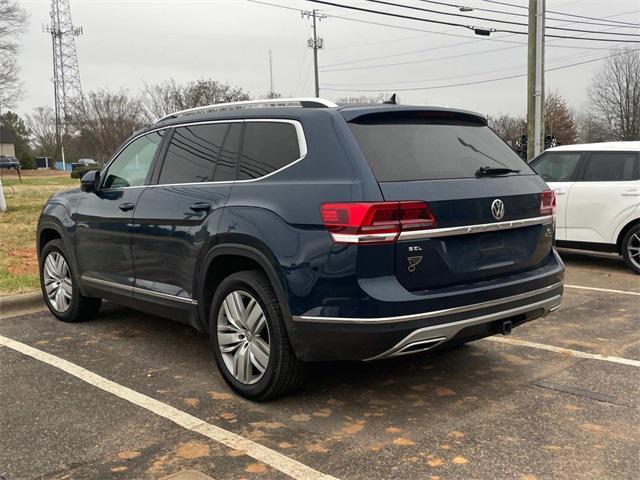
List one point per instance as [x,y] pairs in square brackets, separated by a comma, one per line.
[505,327]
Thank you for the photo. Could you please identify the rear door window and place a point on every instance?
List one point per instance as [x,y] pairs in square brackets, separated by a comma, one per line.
[611,167]
[201,153]
[267,147]
[416,148]
[557,166]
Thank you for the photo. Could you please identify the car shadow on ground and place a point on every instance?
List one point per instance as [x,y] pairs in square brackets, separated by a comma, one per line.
[595,260]
[468,373]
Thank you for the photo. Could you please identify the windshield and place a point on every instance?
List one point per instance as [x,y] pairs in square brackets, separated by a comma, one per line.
[424,149]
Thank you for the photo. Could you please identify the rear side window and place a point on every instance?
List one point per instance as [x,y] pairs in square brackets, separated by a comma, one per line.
[611,167]
[201,153]
[557,166]
[415,148]
[267,147]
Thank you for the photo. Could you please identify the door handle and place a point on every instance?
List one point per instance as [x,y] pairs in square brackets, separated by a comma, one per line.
[200,207]
[631,193]
[560,191]
[125,207]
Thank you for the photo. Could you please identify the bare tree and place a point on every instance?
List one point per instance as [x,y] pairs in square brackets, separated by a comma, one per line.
[558,120]
[592,129]
[13,21]
[42,124]
[163,98]
[508,127]
[615,94]
[381,97]
[103,121]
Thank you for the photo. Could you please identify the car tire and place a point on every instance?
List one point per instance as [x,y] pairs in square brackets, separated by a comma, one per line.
[631,248]
[58,283]
[249,338]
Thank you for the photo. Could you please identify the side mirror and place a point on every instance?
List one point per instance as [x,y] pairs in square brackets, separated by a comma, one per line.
[90,181]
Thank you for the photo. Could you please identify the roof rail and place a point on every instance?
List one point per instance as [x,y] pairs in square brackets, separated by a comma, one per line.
[267,102]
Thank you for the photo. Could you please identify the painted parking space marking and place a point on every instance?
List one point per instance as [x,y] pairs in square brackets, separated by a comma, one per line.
[605,290]
[566,351]
[270,457]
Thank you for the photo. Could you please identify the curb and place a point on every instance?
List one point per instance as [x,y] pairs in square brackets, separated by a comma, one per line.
[13,305]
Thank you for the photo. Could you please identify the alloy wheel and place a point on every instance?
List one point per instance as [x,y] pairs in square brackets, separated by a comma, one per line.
[243,337]
[57,281]
[633,248]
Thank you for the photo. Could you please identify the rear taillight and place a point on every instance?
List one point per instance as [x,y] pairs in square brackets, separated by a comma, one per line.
[548,203]
[374,222]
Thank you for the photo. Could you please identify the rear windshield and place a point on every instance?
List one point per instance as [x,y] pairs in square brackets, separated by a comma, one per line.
[403,149]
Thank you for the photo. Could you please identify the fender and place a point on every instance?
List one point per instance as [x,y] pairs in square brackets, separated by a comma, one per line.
[49,221]
[252,253]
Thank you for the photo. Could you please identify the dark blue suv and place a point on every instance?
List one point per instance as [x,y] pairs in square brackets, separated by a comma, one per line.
[297,230]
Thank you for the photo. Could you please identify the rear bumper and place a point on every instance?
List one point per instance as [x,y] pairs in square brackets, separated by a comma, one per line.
[316,337]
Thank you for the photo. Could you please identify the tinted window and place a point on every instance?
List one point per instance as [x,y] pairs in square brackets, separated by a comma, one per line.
[557,166]
[608,167]
[201,153]
[131,167]
[267,147]
[415,148]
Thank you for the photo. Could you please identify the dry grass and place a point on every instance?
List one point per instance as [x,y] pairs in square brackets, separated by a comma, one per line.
[18,262]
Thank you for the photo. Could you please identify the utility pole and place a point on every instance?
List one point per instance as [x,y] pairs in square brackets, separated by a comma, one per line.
[3,203]
[316,43]
[271,92]
[535,79]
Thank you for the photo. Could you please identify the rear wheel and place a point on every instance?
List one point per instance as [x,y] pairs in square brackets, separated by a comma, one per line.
[249,339]
[631,248]
[61,294]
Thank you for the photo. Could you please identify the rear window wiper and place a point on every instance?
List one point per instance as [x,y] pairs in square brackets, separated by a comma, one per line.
[487,171]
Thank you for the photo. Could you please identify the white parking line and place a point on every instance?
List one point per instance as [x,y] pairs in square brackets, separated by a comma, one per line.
[259,452]
[565,351]
[606,290]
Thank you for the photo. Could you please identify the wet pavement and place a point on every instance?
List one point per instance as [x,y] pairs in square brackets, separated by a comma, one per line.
[486,410]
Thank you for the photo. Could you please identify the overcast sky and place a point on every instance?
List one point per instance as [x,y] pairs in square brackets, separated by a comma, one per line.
[129,43]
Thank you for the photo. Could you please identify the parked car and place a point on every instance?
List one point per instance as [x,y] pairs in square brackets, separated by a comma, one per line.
[83,162]
[598,191]
[7,162]
[296,230]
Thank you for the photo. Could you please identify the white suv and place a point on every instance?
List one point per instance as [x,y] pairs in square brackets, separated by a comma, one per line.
[598,193]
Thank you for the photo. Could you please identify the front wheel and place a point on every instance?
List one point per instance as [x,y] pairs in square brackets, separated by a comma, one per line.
[631,248]
[249,339]
[59,289]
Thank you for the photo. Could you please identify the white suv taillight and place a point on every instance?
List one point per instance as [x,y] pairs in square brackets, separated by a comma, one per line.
[375,222]
[548,203]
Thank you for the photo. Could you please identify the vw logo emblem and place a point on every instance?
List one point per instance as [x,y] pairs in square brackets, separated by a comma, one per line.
[497,209]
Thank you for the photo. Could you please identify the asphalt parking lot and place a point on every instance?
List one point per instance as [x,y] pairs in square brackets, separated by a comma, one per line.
[513,407]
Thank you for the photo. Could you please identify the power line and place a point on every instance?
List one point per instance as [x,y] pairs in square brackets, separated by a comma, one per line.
[525,15]
[507,22]
[469,27]
[554,12]
[478,82]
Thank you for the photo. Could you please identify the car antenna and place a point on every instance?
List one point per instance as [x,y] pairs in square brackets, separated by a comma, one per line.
[392,100]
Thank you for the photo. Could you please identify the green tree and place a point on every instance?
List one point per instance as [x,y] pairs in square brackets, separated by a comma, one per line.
[13,122]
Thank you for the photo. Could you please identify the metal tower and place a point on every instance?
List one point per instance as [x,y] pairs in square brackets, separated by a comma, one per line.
[66,74]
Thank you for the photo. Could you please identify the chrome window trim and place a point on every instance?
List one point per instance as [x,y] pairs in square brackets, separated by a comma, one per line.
[143,291]
[302,146]
[478,228]
[431,314]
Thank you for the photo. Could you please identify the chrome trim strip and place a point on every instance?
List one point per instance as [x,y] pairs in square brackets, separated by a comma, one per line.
[450,330]
[268,102]
[363,237]
[144,291]
[478,228]
[431,314]
[302,145]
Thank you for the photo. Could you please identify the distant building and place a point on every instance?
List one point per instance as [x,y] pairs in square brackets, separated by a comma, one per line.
[7,142]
